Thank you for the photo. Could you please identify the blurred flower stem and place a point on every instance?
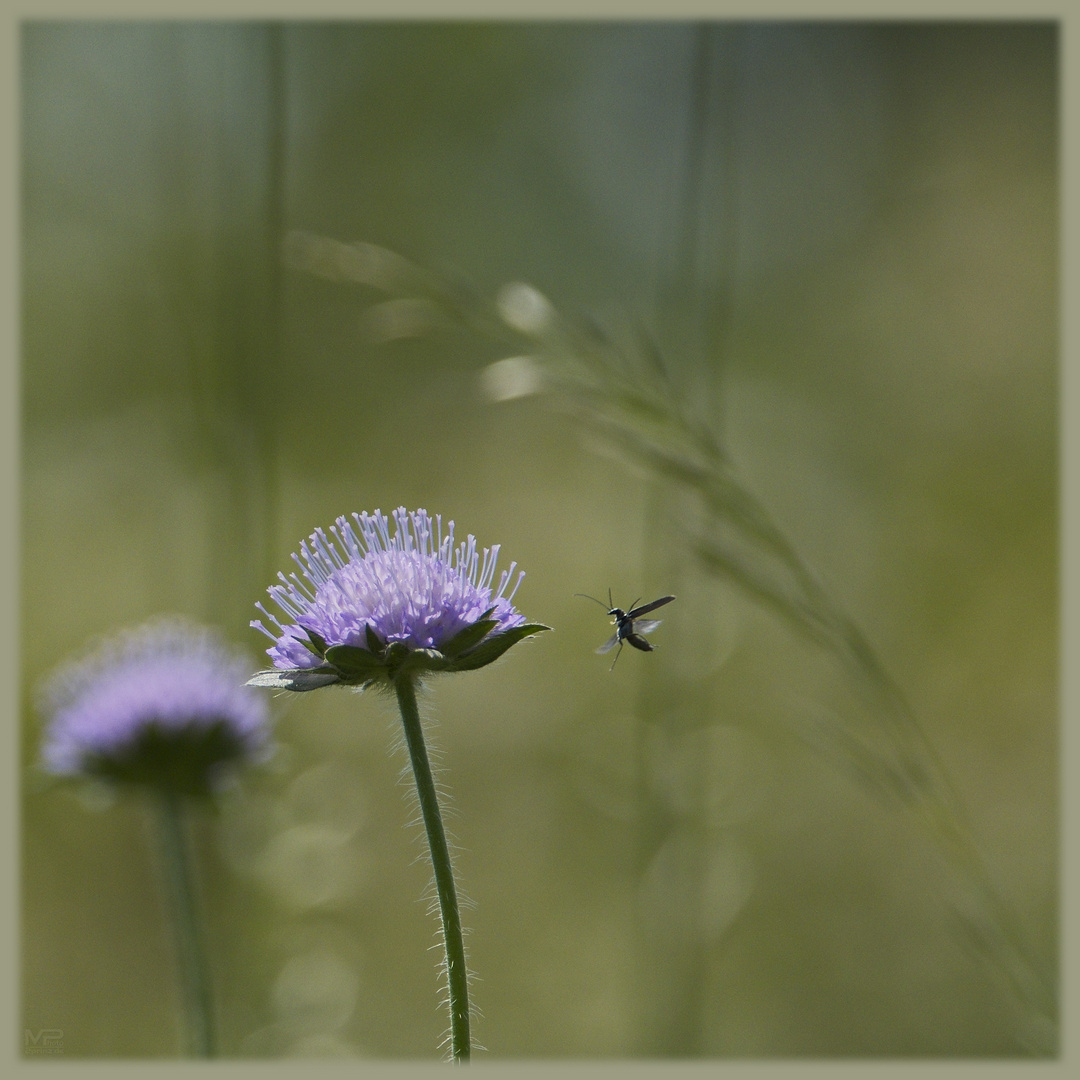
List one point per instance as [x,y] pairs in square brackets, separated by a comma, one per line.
[264,379]
[224,194]
[192,965]
[457,978]
[693,311]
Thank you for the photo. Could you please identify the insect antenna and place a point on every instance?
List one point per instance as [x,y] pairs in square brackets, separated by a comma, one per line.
[592,598]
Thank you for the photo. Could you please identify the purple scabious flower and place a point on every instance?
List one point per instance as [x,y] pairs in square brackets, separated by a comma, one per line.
[365,601]
[162,704]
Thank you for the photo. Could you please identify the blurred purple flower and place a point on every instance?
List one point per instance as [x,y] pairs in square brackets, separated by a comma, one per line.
[162,704]
[363,604]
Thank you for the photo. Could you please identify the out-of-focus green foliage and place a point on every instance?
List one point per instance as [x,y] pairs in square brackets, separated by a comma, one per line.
[861,313]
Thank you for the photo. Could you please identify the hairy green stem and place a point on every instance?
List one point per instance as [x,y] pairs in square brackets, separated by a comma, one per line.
[180,887]
[453,940]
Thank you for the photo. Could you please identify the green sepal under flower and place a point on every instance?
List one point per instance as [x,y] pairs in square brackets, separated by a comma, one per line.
[353,663]
[315,644]
[471,648]
[493,646]
[469,637]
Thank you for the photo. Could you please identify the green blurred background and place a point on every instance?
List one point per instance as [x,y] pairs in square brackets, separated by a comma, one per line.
[661,865]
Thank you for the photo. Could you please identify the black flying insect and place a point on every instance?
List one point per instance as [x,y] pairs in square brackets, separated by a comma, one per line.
[629,626]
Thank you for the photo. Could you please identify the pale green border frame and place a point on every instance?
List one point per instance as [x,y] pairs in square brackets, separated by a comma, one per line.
[13,11]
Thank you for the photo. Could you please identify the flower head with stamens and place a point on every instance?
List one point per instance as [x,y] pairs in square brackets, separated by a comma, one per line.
[367,606]
[162,704]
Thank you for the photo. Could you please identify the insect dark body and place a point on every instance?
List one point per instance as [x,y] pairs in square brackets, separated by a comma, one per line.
[629,626]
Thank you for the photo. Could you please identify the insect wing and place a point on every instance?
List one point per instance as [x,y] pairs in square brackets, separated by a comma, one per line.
[646,626]
[609,644]
[649,607]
